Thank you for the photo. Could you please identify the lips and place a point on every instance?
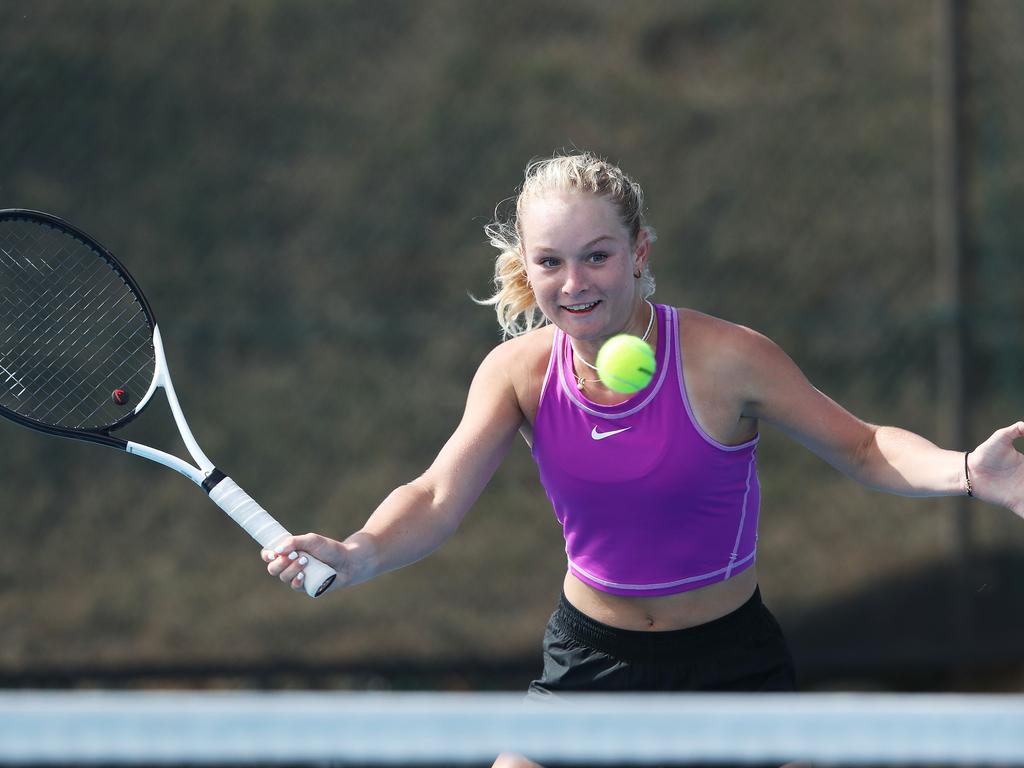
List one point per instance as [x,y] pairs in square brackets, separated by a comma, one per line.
[581,309]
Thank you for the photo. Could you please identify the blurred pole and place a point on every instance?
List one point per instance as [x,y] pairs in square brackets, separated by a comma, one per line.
[950,272]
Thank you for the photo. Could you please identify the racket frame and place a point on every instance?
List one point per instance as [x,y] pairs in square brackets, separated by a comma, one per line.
[101,436]
[203,468]
[221,489]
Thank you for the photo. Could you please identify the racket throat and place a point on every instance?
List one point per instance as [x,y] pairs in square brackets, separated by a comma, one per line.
[211,480]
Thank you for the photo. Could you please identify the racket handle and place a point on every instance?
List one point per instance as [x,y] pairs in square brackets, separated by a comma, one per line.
[258,523]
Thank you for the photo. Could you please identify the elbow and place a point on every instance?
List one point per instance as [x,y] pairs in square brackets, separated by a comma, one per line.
[865,448]
[863,459]
[443,512]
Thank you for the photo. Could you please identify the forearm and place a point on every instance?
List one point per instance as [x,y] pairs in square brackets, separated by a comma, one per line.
[901,462]
[406,527]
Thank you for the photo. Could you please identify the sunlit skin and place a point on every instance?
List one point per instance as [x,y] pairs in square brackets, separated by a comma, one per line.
[582,266]
[577,252]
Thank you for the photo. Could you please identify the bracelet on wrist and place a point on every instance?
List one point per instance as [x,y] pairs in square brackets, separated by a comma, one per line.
[967,476]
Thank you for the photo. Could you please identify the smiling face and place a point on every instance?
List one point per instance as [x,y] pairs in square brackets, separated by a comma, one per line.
[581,263]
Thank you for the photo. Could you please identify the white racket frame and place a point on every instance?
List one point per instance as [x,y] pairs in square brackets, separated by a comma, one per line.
[225,493]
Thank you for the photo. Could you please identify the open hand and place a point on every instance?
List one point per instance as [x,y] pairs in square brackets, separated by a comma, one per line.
[996,469]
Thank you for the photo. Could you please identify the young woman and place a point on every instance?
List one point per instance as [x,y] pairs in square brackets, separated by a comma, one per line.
[657,491]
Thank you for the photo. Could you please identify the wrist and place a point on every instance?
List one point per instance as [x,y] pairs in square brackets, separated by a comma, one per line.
[968,485]
[361,556]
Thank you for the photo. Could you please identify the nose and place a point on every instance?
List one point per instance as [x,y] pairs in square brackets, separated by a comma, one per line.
[575,281]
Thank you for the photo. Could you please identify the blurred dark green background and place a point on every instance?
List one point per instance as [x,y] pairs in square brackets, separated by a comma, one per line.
[301,188]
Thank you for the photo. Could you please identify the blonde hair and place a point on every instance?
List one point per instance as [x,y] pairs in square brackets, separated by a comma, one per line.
[513,299]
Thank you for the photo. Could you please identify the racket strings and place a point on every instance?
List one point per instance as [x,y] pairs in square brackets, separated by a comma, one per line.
[71,330]
[78,309]
[51,312]
[60,369]
[36,336]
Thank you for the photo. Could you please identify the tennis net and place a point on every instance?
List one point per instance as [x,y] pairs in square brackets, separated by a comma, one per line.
[298,728]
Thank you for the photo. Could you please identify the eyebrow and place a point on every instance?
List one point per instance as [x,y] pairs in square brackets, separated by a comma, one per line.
[595,241]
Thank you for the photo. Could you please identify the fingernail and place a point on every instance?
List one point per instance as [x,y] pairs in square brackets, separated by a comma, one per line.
[303,560]
[279,550]
[293,555]
[301,576]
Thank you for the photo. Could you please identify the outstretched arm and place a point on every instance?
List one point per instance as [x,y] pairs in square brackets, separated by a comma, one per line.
[886,458]
[419,516]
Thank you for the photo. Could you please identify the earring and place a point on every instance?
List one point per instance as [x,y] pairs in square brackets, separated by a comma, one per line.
[637,274]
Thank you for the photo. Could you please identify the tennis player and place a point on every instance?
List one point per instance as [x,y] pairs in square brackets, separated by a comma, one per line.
[657,492]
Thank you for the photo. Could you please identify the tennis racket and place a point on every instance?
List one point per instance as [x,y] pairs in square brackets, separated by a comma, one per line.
[81,356]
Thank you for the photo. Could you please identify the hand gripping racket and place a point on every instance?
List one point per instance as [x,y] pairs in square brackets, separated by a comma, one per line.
[81,356]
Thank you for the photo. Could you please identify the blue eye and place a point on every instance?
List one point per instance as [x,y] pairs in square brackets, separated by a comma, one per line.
[598,257]
[548,261]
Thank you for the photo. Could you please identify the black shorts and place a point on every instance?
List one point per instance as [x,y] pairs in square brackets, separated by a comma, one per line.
[743,651]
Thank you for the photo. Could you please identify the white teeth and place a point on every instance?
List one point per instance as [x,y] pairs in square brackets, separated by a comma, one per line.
[581,307]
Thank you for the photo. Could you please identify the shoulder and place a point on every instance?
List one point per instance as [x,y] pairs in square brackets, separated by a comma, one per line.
[521,352]
[728,352]
[721,339]
[520,364]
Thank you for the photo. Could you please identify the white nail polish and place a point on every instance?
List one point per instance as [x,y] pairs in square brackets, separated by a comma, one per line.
[303,560]
[280,549]
[293,555]
[301,576]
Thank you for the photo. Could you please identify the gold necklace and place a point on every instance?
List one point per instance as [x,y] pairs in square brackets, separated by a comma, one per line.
[580,381]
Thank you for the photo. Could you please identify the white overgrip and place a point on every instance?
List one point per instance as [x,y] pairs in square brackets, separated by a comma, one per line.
[258,523]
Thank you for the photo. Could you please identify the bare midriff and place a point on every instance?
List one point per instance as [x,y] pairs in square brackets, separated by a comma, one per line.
[665,612]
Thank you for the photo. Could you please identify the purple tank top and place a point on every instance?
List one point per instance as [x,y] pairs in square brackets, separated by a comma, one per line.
[649,503]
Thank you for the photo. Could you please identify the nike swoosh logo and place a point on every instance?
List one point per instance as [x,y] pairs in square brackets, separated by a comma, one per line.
[602,435]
